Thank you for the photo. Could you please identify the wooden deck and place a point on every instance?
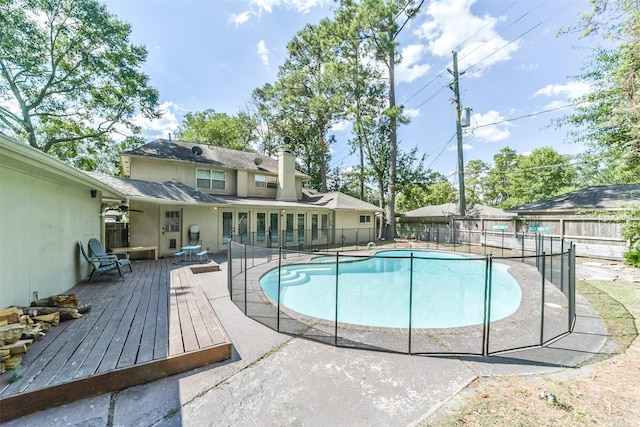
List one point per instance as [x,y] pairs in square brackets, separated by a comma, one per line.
[158,322]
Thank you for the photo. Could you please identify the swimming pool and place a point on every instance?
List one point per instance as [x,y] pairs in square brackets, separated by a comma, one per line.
[440,290]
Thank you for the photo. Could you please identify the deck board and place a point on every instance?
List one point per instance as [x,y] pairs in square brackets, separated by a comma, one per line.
[147,340]
[132,343]
[156,323]
[161,345]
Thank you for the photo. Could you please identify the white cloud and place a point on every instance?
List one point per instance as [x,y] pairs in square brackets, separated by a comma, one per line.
[340,126]
[263,52]
[162,127]
[409,69]
[465,147]
[555,105]
[302,6]
[488,126]
[240,18]
[257,7]
[452,26]
[566,92]
[412,112]
[571,90]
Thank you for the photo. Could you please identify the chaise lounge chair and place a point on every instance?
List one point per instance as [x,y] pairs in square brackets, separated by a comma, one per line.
[102,264]
[97,250]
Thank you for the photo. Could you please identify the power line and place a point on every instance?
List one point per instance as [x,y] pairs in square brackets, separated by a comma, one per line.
[463,42]
[468,73]
[529,115]
[444,147]
[459,47]
[499,33]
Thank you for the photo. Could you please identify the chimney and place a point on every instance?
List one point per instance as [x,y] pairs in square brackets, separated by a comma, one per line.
[286,177]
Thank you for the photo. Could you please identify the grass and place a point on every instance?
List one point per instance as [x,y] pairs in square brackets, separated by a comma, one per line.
[602,392]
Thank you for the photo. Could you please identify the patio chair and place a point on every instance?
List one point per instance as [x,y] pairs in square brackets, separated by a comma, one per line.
[97,250]
[101,264]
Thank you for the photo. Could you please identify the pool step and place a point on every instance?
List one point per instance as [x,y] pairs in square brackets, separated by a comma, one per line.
[297,277]
[293,278]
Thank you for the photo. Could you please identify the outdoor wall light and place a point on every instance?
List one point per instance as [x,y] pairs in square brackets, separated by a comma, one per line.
[94,194]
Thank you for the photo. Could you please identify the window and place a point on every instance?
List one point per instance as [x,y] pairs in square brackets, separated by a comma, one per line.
[300,227]
[273,226]
[210,179]
[324,224]
[227,226]
[172,221]
[261,219]
[243,226]
[314,226]
[263,181]
[365,219]
[289,227]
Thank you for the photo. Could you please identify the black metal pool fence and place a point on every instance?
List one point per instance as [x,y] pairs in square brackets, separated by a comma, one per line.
[544,269]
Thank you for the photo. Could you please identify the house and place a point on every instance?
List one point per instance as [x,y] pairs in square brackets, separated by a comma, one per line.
[609,198]
[175,187]
[443,223]
[443,213]
[46,207]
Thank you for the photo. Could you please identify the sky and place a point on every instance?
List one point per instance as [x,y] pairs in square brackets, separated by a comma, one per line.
[518,72]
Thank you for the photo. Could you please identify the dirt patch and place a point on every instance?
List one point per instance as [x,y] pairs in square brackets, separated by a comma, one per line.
[604,391]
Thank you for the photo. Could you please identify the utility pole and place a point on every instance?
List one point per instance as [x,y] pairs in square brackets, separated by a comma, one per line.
[456,99]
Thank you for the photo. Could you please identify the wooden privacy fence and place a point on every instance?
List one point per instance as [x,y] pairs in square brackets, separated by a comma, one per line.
[116,235]
[593,237]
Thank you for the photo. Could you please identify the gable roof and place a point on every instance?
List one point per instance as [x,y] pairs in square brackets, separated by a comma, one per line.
[204,154]
[175,192]
[23,157]
[597,197]
[337,201]
[170,191]
[453,209]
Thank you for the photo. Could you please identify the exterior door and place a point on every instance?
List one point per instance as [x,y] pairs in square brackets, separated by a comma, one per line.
[274,229]
[228,230]
[243,227]
[170,237]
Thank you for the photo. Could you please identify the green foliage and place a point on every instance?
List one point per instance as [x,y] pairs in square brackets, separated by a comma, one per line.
[632,256]
[220,129]
[629,217]
[69,77]
[417,196]
[606,119]
[516,179]
[475,174]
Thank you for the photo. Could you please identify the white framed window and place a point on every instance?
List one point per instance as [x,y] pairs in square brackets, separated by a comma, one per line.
[263,181]
[210,179]
[365,219]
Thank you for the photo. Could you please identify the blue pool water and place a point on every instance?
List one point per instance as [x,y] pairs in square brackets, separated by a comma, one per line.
[448,290]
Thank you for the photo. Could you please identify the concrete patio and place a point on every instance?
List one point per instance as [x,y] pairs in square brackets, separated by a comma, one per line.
[273,379]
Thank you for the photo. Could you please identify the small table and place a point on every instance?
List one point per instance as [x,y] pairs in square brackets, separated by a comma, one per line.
[152,249]
[190,250]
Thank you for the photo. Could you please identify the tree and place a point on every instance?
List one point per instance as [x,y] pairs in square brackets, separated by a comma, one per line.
[69,76]
[221,129]
[306,90]
[542,174]
[606,120]
[475,175]
[383,19]
[498,185]
[516,179]
[434,190]
[363,86]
